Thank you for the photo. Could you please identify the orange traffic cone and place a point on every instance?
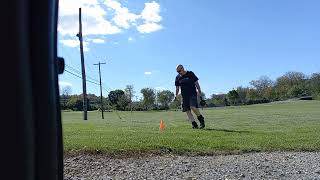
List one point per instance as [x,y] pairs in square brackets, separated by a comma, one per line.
[162,126]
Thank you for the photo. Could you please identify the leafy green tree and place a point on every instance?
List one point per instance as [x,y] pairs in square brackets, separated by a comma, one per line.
[242,92]
[66,91]
[75,103]
[296,91]
[149,98]
[217,100]
[261,85]
[93,102]
[233,97]
[226,102]
[118,99]
[176,104]
[270,94]
[315,85]
[129,91]
[287,81]
[252,96]
[165,97]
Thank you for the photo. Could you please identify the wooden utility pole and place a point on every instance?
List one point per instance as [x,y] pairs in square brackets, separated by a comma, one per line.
[100,89]
[84,86]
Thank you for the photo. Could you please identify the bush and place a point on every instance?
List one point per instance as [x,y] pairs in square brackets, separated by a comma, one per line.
[306,98]
[258,101]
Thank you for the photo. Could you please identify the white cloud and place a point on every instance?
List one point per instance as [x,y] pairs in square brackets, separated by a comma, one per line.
[150,16]
[67,7]
[85,49]
[93,21]
[98,41]
[104,17]
[147,73]
[75,43]
[218,93]
[151,11]
[123,18]
[63,83]
[130,39]
[70,42]
[149,27]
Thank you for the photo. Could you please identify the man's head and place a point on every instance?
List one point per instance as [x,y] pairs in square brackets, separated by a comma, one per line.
[180,69]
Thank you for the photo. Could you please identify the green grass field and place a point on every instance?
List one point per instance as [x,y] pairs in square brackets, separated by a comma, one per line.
[281,126]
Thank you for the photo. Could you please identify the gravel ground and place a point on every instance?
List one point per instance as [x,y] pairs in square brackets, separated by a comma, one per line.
[276,165]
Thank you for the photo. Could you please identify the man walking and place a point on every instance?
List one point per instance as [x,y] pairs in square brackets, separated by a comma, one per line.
[187,81]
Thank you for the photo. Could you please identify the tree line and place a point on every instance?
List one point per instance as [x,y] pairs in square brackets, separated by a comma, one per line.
[120,100]
[263,90]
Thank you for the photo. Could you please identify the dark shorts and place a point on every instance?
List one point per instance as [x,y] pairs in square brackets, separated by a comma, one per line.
[189,101]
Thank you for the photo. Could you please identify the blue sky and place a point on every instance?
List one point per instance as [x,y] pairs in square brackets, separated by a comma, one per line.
[226,43]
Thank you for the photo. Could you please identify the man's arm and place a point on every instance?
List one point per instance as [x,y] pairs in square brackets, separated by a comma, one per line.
[198,87]
[177,90]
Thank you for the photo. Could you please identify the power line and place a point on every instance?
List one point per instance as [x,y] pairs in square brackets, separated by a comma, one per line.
[73,74]
[105,89]
[78,72]
[81,77]
[92,79]
[110,89]
[74,69]
[93,82]
[88,81]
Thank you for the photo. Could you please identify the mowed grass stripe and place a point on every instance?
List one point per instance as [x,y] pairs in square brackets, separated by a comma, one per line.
[282,126]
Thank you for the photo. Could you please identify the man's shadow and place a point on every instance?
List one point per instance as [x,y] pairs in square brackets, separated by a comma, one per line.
[225,130]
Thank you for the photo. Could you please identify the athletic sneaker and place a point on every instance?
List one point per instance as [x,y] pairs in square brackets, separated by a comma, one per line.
[194,125]
[201,120]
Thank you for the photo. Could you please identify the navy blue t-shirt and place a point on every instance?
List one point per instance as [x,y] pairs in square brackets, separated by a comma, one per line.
[186,82]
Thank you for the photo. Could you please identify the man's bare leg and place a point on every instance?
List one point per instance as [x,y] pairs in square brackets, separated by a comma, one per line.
[192,120]
[199,116]
[196,111]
